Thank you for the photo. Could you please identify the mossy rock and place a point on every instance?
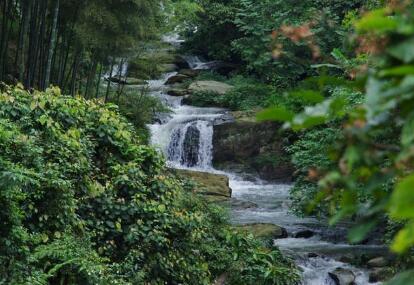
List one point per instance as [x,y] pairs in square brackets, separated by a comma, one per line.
[210,184]
[210,86]
[264,231]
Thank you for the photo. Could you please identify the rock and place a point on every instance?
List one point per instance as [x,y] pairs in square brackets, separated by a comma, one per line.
[265,231]
[377,262]
[342,276]
[210,184]
[252,147]
[304,234]
[210,86]
[169,67]
[239,204]
[381,274]
[179,78]
[312,255]
[177,92]
[190,146]
[348,258]
[181,62]
[189,72]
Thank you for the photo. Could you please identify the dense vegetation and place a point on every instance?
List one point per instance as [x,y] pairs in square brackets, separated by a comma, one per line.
[85,202]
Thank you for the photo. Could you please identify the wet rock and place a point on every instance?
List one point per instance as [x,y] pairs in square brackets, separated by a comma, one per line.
[190,147]
[342,276]
[210,184]
[179,78]
[377,262]
[312,255]
[177,92]
[380,274]
[239,204]
[181,62]
[252,147]
[347,259]
[264,231]
[210,86]
[189,72]
[304,234]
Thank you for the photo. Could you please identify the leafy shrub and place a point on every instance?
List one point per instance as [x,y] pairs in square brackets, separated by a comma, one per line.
[85,202]
[140,109]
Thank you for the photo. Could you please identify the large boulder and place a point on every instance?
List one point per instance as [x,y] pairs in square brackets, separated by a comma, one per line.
[210,86]
[377,262]
[264,231]
[252,147]
[181,62]
[210,184]
[342,276]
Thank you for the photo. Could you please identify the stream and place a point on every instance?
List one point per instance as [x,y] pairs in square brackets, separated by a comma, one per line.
[315,256]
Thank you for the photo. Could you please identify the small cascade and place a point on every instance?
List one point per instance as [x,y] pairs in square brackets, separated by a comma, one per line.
[191,145]
[196,62]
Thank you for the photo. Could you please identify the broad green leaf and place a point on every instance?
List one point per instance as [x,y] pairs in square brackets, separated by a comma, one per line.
[398,71]
[329,65]
[359,232]
[275,114]
[348,207]
[404,239]
[403,51]
[376,21]
[404,278]
[402,199]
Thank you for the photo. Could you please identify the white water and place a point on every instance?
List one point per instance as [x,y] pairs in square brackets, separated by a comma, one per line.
[272,200]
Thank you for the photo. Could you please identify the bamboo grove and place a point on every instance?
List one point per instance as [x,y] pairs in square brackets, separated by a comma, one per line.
[70,43]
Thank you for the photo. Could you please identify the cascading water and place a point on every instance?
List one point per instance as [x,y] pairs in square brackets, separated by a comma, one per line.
[185,137]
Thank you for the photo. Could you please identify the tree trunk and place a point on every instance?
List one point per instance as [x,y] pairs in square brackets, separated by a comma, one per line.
[75,73]
[108,87]
[98,85]
[91,77]
[22,44]
[51,45]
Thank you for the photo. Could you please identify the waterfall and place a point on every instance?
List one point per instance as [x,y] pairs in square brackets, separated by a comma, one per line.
[191,145]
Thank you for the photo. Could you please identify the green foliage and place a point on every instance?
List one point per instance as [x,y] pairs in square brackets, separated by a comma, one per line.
[241,31]
[85,202]
[140,108]
[372,165]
